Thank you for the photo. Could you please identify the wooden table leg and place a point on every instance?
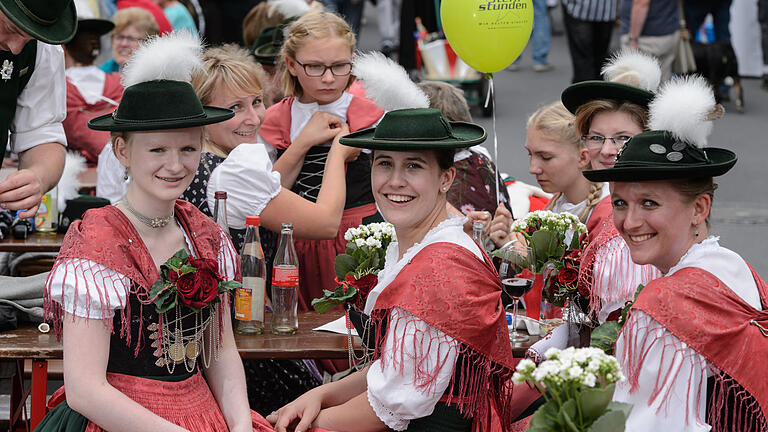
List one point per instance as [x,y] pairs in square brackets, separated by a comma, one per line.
[18,400]
[39,387]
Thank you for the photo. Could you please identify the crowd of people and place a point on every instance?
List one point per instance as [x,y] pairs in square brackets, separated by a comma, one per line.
[285,125]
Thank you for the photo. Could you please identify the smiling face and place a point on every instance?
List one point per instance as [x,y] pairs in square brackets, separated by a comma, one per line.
[243,127]
[610,123]
[556,165]
[12,38]
[410,188]
[125,43]
[655,220]
[316,51]
[162,164]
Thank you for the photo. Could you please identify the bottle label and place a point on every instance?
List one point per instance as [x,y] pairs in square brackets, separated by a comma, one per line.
[253,249]
[45,219]
[243,304]
[249,302]
[285,277]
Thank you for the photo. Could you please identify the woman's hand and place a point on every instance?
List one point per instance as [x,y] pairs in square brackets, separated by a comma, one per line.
[477,216]
[500,226]
[304,410]
[349,153]
[321,128]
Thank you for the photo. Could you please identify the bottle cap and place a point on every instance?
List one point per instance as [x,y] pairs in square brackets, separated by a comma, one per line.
[220,195]
[251,220]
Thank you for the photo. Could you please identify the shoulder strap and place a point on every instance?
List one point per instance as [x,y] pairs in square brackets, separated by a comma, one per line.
[276,129]
[362,113]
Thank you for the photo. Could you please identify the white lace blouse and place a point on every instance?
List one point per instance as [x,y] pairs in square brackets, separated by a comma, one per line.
[108,289]
[393,394]
[682,409]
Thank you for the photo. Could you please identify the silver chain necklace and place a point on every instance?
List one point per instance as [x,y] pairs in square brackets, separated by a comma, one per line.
[155,222]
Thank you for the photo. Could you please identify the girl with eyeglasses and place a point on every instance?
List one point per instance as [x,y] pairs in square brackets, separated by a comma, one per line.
[317,55]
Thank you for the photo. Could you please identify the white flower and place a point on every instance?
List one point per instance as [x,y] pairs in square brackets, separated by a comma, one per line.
[589,380]
[526,366]
[575,372]
[359,242]
[373,242]
[518,378]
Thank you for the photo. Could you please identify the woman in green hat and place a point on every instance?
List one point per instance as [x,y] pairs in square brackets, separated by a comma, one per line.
[608,113]
[136,340]
[442,353]
[694,345]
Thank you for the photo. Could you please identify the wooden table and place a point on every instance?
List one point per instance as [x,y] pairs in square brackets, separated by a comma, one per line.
[28,343]
[35,242]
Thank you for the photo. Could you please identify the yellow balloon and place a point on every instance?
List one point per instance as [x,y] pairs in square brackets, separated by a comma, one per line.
[487,34]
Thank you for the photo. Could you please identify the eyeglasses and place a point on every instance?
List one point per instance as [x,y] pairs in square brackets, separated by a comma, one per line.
[129,39]
[318,70]
[597,141]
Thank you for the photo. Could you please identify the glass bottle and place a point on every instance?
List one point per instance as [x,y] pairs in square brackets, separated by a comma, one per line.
[249,299]
[285,284]
[478,234]
[220,210]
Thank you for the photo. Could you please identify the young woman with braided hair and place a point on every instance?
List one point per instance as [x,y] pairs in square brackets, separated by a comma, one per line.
[557,157]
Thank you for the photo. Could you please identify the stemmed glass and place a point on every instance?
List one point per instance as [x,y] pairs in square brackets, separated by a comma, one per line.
[515,281]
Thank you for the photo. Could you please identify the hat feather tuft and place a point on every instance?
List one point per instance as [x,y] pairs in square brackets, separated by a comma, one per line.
[175,57]
[684,106]
[290,8]
[633,68]
[387,83]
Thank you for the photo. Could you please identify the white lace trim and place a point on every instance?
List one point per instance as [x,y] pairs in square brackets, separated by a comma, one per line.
[386,415]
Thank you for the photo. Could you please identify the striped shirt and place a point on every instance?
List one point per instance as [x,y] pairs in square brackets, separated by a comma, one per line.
[591,10]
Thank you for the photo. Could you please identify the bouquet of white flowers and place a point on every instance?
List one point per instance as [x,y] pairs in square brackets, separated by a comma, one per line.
[578,384]
[357,269]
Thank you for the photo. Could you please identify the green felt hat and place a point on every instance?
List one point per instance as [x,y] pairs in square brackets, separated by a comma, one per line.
[416,129]
[267,47]
[658,155]
[580,93]
[50,21]
[94,25]
[159,104]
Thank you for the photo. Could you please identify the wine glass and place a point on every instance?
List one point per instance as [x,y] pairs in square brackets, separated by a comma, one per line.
[515,281]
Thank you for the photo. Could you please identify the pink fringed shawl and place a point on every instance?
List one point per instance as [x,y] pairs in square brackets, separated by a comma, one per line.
[106,236]
[447,287]
[701,311]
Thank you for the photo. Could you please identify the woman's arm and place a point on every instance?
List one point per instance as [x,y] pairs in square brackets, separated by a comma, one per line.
[306,407]
[354,415]
[318,220]
[87,389]
[321,128]
[226,378]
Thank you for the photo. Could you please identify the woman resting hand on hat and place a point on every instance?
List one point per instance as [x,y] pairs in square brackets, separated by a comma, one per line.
[442,352]
[129,366]
[694,345]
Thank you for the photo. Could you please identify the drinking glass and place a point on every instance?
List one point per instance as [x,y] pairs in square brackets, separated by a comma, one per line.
[515,282]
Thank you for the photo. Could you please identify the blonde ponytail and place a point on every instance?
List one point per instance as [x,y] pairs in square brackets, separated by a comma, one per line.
[595,192]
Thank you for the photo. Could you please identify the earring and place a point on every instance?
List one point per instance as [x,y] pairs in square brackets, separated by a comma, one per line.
[445,189]
[125,175]
[696,233]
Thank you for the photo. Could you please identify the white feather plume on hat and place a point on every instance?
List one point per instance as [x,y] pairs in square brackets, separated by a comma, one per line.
[387,83]
[633,68]
[290,8]
[685,106]
[175,57]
